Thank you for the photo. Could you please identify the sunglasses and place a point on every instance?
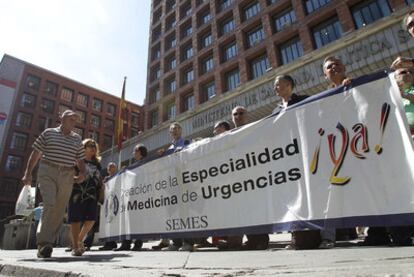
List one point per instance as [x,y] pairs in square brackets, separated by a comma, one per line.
[410,25]
[239,113]
[91,145]
[403,72]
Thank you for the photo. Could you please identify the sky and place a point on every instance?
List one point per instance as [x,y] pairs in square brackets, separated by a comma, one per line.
[95,42]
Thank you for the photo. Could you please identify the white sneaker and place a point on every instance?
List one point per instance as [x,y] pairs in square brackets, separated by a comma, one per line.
[171,247]
[186,247]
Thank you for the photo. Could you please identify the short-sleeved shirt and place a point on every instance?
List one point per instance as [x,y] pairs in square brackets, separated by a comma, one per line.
[58,148]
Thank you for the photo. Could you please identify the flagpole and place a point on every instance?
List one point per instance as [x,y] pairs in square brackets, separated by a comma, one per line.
[121,118]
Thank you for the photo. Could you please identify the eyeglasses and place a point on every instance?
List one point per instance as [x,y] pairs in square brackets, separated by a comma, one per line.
[410,25]
[239,113]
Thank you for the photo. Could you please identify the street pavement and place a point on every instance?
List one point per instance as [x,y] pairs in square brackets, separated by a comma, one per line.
[347,259]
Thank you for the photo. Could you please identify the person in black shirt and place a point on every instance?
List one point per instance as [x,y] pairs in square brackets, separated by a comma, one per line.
[83,202]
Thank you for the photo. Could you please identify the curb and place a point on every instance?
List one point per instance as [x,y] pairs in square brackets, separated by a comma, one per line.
[21,271]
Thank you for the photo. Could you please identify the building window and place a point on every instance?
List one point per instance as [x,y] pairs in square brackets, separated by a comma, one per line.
[51,88]
[33,82]
[207,64]
[153,118]
[82,116]
[172,85]
[66,94]
[171,42]
[110,109]
[251,10]
[313,5]
[271,2]
[95,121]
[327,32]
[94,135]
[188,53]
[255,36]
[155,73]
[170,5]
[171,111]
[156,53]
[109,125]
[232,79]
[370,11]
[82,100]
[155,95]
[284,19]
[206,17]
[107,141]
[171,63]
[186,10]
[291,50]
[19,141]
[206,40]
[171,22]
[13,163]
[224,4]
[187,31]
[188,76]
[157,15]
[63,108]
[208,90]
[97,105]
[8,187]
[24,120]
[156,34]
[227,26]
[230,51]
[28,101]
[189,102]
[47,105]
[134,119]
[79,131]
[259,66]
[44,123]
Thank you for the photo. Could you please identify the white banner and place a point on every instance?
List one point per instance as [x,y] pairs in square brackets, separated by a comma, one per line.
[342,157]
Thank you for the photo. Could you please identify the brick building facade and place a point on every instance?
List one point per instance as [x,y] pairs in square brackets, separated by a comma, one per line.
[206,57]
[35,98]
[199,49]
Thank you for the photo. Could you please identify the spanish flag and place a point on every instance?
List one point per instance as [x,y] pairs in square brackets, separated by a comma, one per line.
[121,117]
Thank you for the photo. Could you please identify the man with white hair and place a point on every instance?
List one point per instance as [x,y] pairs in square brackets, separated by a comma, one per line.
[58,150]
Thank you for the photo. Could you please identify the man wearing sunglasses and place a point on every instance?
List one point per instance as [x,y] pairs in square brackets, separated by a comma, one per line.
[256,241]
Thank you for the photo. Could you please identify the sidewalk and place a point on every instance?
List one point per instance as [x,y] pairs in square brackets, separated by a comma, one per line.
[347,259]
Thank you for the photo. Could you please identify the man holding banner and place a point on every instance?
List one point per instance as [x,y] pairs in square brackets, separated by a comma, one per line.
[254,241]
[178,143]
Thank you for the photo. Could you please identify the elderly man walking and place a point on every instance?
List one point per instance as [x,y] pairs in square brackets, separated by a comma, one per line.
[58,150]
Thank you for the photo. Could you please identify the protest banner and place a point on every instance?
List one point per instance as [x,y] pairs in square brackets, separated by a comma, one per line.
[341,158]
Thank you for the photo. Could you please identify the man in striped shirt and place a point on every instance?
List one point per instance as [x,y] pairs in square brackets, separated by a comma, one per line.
[59,150]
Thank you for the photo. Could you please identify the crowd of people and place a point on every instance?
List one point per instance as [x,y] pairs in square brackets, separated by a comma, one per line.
[70,175]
